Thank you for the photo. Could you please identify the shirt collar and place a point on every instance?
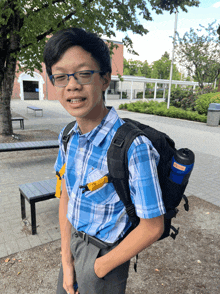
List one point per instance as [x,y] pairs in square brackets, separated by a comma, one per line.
[98,134]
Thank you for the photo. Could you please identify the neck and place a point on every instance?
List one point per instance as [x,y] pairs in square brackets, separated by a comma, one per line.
[86,124]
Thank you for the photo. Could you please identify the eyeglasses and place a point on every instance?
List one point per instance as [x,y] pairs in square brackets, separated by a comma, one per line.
[82,77]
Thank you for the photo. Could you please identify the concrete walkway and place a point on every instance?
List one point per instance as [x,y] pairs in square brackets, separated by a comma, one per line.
[29,166]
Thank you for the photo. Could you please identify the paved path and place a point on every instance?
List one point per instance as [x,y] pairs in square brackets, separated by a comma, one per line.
[28,166]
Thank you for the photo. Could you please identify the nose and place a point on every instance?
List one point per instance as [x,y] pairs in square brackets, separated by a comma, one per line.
[73,84]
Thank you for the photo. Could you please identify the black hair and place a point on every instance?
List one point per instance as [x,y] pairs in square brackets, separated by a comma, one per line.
[60,42]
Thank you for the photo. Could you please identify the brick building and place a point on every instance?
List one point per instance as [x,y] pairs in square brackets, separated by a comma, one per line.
[39,86]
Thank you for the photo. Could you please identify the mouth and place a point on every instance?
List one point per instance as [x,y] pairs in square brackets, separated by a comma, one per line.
[76,100]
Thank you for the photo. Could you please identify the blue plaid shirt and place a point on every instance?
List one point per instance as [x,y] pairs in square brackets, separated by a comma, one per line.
[100,213]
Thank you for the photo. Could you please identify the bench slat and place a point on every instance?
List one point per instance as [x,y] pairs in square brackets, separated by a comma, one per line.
[19,144]
[17,118]
[38,189]
[4,147]
[42,188]
[7,145]
[22,144]
[29,191]
[51,185]
[34,108]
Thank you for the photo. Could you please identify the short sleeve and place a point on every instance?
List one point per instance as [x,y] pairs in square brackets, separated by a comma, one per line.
[144,184]
[61,155]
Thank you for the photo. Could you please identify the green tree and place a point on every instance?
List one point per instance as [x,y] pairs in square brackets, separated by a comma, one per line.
[146,69]
[136,68]
[26,24]
[166,54]
[199,52]
[161,69]
[218,32]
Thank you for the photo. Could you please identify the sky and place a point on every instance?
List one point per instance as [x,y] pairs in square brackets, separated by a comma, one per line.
[161,30]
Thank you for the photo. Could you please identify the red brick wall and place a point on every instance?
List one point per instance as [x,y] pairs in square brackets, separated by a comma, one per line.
[51,90]
[117,60]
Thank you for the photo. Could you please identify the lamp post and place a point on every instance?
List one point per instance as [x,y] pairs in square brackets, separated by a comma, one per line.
[172,60]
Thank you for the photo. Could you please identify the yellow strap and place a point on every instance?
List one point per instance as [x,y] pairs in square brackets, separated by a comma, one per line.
[91,186]
[58,185]
[97,184]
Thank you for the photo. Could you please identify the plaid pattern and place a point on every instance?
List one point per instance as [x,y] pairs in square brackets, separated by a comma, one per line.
[100,213]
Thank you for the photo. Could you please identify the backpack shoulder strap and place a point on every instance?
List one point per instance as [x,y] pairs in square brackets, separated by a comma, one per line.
[65,139]
[66,136]
[118,165]
[117,152]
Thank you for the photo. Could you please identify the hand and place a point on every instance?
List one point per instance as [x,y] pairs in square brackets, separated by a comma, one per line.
[68,277]
[99,269]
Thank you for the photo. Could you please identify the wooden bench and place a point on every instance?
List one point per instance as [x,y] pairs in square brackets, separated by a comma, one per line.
[35,192]
[21,119]
[33,145]
[35,109]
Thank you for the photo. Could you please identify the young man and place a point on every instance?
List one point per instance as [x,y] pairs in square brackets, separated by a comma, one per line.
[95,247]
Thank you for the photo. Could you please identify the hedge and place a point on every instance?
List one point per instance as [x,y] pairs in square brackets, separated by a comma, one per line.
[203,101]
[156,108]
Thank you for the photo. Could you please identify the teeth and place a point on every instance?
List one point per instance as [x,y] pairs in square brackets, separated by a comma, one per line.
[76,100]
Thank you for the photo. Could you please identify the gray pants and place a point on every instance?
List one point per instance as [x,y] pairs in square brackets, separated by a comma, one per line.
[84,258]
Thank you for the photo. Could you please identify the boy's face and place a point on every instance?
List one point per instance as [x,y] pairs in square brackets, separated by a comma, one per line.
[81,101]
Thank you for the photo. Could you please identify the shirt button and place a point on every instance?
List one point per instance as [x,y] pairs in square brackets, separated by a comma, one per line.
[81,149]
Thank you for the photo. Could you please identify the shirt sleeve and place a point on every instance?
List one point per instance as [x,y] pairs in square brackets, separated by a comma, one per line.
[145,189]
[61,155]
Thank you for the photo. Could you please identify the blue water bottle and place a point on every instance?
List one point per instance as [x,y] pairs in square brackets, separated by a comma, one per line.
[182,165]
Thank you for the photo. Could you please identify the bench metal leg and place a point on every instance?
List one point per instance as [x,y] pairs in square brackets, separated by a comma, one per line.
[33,218]
[39,110]
[23,211]
[22,124]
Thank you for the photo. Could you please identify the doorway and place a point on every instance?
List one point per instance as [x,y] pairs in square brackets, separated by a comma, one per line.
[31,90]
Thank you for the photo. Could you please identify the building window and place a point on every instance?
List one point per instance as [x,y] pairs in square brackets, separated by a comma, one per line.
[113,88]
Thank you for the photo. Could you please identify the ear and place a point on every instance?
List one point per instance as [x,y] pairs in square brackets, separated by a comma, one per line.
[106,80]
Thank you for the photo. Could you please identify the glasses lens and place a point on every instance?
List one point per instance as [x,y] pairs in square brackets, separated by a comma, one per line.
[60,80]
[83,77]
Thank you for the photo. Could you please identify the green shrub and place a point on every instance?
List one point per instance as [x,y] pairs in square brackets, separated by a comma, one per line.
[123,106]
[189,102]
[203,101]
[177,95]
[156,108]
[206,90]
[124,95]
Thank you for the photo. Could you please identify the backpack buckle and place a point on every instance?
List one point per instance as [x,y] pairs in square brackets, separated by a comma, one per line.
[186,205]
[65,139]
[174,233]
[58,175]
[118,142]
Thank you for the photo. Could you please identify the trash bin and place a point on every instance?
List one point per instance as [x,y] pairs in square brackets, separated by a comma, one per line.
[213,114]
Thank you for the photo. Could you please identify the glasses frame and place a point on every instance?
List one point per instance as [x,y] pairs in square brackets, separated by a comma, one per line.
[73,75]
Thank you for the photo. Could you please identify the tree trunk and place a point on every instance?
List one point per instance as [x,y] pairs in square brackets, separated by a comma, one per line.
[9,44]
[218,85]
[5,98]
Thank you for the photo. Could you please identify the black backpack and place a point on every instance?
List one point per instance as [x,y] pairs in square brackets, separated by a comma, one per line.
[172,193]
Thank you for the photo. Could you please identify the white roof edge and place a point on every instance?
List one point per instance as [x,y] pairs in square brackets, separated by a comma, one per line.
[148,80]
